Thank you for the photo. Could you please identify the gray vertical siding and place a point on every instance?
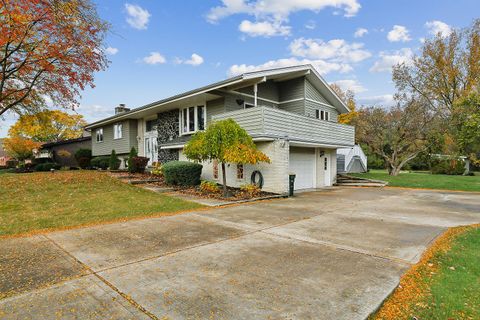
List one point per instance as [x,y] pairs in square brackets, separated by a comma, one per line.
[215,107]
[292,89]
[312,93]
[121,146]
[268,90]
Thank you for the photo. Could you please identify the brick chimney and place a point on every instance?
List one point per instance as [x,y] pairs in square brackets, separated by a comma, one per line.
[121,108]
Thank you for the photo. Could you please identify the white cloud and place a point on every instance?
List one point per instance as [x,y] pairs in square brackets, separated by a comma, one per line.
[386,100]
[398,33]
[335,50]
[311,25]
[137,16]
[360,32]
[279,9]
[352,85]
[154,58]
[111,51]
[322,66]
[389,59]
[438,27]
[195,60]
[95,112]
[264,29]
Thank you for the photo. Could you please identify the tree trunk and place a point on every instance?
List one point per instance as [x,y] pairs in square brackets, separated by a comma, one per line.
[224,178]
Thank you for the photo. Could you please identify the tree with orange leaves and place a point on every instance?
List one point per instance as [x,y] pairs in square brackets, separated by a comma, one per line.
[49,50]
[20,148]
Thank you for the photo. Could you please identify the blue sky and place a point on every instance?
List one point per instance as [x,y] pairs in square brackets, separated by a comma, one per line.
[160,48]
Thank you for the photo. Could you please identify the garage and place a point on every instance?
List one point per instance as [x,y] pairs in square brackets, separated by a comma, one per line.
[302,163]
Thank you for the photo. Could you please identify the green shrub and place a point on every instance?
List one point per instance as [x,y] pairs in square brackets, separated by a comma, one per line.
[101,162]
[11,163]
[47,166]
[157,169]
[133,153]
[209,187]
[114,162]
[138,164]
[83,157]
[448,166]
[182,173]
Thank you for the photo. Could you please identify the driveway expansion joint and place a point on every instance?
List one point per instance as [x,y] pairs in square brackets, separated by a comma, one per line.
[105,281]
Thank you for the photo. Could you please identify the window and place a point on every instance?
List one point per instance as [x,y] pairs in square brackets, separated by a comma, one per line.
[239,171]
[117,131]
[322,115]
[215,169]
[192,119]
[151,125]
[99,135]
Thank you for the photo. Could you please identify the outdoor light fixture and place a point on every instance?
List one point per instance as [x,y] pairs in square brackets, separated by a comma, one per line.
[240,101]
[322,153]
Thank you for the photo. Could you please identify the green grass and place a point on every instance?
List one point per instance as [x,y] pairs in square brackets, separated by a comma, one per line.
[425,180]
[39,201]
[444,285]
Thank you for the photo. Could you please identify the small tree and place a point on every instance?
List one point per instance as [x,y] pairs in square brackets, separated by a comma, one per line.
[114,162]
[226,142]
[133,153]
[20,148]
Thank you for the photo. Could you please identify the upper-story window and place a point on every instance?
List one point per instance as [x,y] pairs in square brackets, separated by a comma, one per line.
[117,131]
[99,135]
[322,115]
[192,119]
[151,125]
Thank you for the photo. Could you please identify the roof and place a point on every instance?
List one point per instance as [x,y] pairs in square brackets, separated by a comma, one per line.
[307,70]
[63,142]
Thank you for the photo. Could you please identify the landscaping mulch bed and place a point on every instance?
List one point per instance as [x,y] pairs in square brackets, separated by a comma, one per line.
[158,181]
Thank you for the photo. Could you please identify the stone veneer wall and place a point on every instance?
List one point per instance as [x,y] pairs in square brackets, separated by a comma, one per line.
[168,129]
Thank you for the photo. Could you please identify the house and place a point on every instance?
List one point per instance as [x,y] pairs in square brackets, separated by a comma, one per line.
[291,114]
[3,155]
[63,152]
[351,160]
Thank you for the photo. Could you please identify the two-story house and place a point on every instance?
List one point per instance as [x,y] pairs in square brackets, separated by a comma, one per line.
[291,113]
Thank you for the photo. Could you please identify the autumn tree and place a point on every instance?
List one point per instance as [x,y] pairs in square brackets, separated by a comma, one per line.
[398,134]
[447,69]
[226,142]
[348,97]
[49,50]
[20,148]
[466,126]
[48,126]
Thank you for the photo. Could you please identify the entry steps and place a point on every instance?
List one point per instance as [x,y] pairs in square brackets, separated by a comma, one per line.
[350,181]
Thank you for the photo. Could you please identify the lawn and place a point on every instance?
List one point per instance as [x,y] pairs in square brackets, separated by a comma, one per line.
[445,284]
[425,180]
[41,201]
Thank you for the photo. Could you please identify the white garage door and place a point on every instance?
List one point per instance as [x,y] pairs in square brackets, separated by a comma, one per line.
[302,163]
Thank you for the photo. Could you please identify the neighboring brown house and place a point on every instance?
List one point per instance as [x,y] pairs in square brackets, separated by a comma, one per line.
[3,155]
[55,150]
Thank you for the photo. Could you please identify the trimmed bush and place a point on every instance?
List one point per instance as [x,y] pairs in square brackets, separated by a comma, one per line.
[12,163]
[450,167]
[83,157]
[133,153]
[47,166]
[157,169]
[138,164]
[114,162]
[182,173]
[101,162]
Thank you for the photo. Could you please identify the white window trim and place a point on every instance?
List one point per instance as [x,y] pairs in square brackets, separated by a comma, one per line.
[96,135]
[115,128]
[195,115]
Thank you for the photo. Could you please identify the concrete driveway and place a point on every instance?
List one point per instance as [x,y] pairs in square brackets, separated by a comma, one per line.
[333,254]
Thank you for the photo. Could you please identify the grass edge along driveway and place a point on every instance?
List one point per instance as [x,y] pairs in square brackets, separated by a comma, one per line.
[45,201]
[425,180]
[444,284]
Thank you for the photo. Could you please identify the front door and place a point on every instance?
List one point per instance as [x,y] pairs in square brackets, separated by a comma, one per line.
[151,149]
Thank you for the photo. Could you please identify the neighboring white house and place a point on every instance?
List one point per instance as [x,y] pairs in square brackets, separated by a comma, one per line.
[351,160]
[291,114]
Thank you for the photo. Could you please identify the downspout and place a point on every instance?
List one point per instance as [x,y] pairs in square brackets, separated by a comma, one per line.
[255,91]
